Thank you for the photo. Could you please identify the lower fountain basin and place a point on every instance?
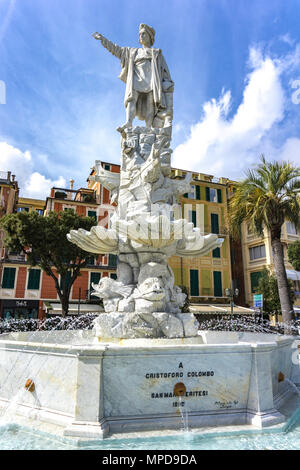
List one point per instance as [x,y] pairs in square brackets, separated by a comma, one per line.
[90,387]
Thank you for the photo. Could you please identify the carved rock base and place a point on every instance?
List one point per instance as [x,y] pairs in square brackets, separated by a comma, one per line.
[145,325]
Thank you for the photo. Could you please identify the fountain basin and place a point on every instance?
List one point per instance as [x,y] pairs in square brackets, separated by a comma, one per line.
[90,387]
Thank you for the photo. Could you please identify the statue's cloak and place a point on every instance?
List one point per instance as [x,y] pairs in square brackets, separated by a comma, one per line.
[160,79]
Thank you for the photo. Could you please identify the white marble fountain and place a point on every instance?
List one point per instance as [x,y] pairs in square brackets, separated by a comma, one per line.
[145,361]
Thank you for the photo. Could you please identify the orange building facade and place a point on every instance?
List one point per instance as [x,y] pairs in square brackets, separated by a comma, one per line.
[27,292]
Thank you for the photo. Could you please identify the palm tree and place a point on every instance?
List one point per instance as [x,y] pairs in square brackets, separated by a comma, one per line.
[267,197]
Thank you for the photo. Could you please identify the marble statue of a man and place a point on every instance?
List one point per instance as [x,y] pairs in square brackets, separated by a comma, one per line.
[149,87]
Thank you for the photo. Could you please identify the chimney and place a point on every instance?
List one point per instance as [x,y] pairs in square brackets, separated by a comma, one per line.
[71,183]
[13,178]
[8,175]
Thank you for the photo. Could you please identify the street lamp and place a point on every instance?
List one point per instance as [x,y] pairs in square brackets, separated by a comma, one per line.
[231,294]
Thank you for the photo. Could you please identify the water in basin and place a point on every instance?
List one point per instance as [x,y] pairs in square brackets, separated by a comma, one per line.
[13,437]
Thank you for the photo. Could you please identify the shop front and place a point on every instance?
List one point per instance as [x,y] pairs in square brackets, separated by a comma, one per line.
[19,309]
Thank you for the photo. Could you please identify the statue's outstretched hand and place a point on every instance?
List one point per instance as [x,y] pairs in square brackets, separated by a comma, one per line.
[110,46]
[97,36]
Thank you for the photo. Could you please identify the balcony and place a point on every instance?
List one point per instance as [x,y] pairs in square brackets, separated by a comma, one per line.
[80,195]
[16,257]
[5,177]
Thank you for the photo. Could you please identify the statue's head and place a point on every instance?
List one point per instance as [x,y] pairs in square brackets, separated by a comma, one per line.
[146,35]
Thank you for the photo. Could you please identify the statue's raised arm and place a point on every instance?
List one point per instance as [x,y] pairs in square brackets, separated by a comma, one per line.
[110,46]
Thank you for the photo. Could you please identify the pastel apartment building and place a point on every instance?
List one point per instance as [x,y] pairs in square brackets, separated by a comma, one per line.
[257,254]
[27,292]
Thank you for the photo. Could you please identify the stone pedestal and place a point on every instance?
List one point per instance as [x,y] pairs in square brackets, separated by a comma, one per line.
[93,387]
[89,414]
[261,411]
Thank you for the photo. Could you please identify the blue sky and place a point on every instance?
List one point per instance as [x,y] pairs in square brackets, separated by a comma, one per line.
[234,64]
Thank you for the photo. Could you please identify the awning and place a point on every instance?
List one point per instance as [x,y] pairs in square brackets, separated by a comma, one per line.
[55,308]
[292,274]
[221,309]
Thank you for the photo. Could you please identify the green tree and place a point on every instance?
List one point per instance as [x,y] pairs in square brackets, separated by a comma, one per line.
[294,255]
[267,197]
[268,287]
[44,240]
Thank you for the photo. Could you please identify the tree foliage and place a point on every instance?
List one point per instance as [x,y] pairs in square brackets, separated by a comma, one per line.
[294,255]
[44,240]
[268,287]
[265,199]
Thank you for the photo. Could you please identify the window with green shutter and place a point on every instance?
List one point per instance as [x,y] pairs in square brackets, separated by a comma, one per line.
[90,260]
[34,276]
[207,194]
[198,194]
[219,191]
[95,278]
[216,253]
[254,279]
[113,276]
[93,214]
[194,282]
[218,291]
[112,260]
[8,279]
[193,217]
[214,219]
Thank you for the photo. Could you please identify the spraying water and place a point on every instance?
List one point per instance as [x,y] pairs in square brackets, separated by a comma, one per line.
[184,416]
[12,407]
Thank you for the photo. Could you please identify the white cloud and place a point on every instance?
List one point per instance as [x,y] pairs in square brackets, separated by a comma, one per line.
[287,39]
[290,151]
[224,146]
[39,187]
[31,183]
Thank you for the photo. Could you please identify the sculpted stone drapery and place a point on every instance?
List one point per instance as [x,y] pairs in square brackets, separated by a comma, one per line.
[149,87]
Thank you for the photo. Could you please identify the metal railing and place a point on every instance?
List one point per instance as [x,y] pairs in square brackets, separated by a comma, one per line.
[5,176]
[74,195]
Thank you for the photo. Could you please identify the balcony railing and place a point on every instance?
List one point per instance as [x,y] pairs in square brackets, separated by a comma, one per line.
[74,195]
[16,257]
[222,230]
[5,176]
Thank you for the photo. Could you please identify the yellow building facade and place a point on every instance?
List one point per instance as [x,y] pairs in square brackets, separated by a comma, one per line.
[257,255]
[30,205]
[206,277]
